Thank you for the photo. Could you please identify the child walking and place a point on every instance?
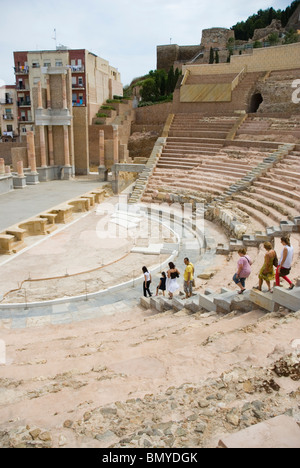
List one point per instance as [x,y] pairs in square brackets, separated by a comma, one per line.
[162,284]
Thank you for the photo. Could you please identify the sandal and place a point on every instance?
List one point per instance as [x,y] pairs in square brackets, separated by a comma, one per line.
[256,287]
[241,291]
[291,287]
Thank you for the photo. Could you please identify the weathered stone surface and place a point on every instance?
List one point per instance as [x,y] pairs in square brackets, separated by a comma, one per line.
[279,432]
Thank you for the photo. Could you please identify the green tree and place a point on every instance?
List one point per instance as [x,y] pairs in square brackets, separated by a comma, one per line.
[273,38]
[170,81]
[217,58]
[291,37]
[149,90]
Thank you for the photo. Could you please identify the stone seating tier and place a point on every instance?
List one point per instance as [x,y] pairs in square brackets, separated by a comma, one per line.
[207,79]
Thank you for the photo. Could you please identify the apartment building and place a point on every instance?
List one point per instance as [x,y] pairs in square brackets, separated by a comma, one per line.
[8,113]
[58,94]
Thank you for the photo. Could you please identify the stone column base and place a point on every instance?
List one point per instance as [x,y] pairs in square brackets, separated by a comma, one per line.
[32,178]
[19,182]
[48,173]
[68,172]
[103,173]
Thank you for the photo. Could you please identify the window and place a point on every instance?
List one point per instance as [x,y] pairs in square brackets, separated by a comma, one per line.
[58,63]
[80,81]
[35,65]
[9,128]
[73,80]
[47,63]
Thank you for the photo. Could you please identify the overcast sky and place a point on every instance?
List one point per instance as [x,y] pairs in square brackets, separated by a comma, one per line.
[124,32]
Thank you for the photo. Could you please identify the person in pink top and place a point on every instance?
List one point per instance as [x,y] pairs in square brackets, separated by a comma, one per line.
[243,270]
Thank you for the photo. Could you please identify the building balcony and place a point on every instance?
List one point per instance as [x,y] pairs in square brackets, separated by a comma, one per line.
[24,103]
[6,101]
[53,117]
[24,70]
[22,87]
[8,117]
[78,87]
[57,70]
[77,68]
[24,119]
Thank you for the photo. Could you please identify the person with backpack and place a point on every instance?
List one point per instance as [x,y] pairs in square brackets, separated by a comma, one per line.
[243,270]
[267,272]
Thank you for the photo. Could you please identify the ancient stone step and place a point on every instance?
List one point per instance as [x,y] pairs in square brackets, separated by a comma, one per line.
[279,432]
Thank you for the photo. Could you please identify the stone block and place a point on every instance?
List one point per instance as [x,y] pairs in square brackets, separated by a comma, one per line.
[274,231]
[80,205]
[222,249]
[288,299]
[263,300]
[6,243]
[223,301]
[193,304]
[279,432]
[250,241]
[287,226]
[145,302]
[32,178]
[19,182]
[35,226]
[178,304]
[242,302]
[207,302]
[235,245]
[156,304]
[209,291]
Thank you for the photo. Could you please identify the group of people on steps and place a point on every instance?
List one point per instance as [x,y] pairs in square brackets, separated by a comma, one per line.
[169,281]
[272,269]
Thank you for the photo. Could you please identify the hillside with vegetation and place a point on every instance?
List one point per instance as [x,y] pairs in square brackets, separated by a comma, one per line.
[244,30]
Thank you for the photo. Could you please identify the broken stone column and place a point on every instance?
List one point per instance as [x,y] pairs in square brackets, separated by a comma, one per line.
[102,171]
[32,178]
[20,169]
[2,167]
[19,181]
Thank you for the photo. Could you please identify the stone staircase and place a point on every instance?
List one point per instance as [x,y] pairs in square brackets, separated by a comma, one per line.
[227,301]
